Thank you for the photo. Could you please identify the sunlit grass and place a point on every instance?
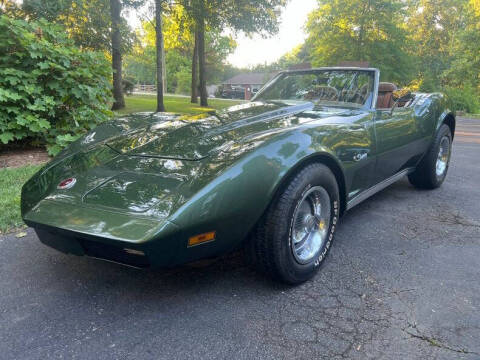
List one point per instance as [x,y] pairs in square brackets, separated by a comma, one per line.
[11,181]
[174,104]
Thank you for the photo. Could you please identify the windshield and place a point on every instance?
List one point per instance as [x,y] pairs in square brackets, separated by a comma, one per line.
[322,87]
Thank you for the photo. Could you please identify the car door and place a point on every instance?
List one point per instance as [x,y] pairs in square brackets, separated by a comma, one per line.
[396,135]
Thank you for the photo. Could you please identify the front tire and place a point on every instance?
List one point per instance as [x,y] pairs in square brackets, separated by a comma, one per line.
[294,236]
[432,170]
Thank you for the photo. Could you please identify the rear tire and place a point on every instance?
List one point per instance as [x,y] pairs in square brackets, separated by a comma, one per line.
[294,236]
[432,170]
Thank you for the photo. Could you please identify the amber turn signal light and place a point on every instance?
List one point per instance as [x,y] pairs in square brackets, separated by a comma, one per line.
[202,238]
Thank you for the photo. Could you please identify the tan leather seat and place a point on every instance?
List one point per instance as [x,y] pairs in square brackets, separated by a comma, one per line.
[385,95]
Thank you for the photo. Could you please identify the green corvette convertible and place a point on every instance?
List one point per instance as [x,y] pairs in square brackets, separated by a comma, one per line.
[272,176]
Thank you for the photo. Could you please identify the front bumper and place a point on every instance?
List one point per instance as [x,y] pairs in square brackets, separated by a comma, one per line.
[134,241]
[104,249]
[94,221]
[138,241]
[159,252]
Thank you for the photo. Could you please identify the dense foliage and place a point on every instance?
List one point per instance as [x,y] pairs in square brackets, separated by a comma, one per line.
[88,23]
[50,90]
[426,45]
[361,31]
[429,45]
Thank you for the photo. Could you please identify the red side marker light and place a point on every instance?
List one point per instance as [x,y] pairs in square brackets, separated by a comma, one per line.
[67,184]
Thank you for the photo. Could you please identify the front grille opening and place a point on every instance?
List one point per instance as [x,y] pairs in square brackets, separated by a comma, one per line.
[116,254]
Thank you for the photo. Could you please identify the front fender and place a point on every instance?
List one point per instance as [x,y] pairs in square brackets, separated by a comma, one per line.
[233,202]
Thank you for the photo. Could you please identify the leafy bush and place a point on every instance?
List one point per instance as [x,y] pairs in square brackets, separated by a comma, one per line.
[466,99]
[49,89]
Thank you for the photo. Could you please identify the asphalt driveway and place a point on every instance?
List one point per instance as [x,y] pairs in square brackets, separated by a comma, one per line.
[402,282]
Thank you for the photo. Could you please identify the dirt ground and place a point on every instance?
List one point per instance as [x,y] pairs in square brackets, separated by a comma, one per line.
[12,158]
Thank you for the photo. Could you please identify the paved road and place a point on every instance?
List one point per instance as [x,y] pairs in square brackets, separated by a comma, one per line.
[402,282]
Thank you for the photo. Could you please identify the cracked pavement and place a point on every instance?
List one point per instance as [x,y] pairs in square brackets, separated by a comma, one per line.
[401,282]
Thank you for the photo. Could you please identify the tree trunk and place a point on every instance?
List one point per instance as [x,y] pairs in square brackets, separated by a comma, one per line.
[201,61]
[194,90]
[115,10]
[360,51]
[164,66]
[159,52]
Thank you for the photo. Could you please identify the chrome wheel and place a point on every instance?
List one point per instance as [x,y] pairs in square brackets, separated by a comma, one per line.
[443,157]
[311,221]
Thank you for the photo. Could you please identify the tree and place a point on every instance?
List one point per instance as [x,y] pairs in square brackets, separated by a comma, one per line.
[465,68]
[359,30]
[249,16]
[194,86]
[200,45]
[183,29]
[115,13]
[12,9]
[475,4]
[117,22]
[94,25]
[157,8]
[430,45]
[447,42]
[86,22]
[179,42]
[435,26]
[160,55]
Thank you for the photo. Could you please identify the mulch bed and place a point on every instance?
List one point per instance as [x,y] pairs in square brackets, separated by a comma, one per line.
[18,157]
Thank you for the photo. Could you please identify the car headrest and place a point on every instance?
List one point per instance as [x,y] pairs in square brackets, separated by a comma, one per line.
[386,87]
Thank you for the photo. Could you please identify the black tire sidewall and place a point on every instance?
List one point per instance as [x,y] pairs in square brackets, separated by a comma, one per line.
[443,131]
[312,176]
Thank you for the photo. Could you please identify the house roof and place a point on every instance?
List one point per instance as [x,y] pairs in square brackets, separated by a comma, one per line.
[248,79]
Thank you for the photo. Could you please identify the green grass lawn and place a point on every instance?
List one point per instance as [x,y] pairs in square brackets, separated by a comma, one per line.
[174,104]
[11,181]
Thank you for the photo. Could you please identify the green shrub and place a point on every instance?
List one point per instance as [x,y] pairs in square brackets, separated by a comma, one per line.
[466,99]
[50,90]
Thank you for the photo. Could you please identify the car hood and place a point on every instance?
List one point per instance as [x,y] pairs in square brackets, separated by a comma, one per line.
[195,137]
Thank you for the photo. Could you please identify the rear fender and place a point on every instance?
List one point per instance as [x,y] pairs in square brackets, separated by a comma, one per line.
[445,116]
[448,118]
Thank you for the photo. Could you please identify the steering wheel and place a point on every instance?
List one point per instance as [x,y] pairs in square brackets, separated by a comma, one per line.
[322,93]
